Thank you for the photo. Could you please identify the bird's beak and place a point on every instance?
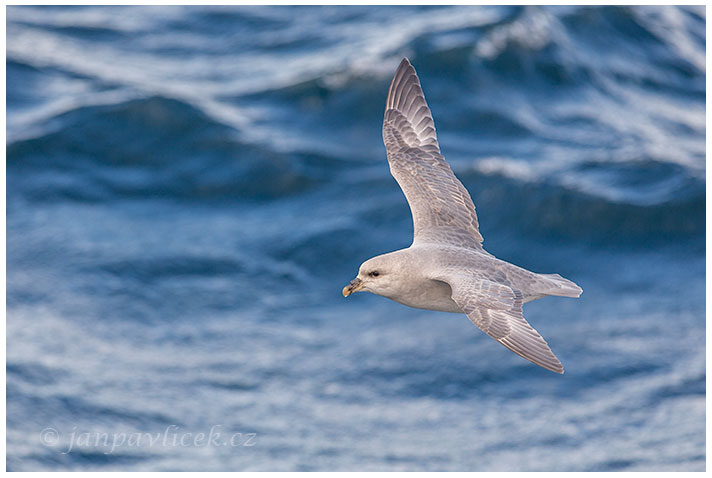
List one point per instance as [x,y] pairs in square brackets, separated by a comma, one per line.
[354,286]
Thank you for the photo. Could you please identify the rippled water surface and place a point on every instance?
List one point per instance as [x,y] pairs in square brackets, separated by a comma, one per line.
[188,190]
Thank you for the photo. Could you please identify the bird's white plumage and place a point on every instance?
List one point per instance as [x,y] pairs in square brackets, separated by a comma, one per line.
[442,208]
[446,267]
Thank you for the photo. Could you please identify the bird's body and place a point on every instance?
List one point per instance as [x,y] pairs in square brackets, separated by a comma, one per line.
[446,268]
[412,284]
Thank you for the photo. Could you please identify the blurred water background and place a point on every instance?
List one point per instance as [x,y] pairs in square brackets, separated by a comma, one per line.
[189,188]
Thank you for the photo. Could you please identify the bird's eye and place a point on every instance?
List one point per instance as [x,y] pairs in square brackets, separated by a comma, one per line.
[374,274]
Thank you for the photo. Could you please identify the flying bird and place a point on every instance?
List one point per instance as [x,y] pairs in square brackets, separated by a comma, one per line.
[446,267]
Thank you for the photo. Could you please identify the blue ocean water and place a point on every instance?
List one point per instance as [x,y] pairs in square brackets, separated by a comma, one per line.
[189,188]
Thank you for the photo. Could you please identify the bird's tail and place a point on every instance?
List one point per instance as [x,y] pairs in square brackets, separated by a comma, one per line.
[557,285]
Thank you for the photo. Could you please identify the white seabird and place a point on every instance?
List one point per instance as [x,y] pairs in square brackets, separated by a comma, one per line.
[446,268]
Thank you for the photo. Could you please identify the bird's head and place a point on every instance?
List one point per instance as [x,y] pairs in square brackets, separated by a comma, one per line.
[378,275]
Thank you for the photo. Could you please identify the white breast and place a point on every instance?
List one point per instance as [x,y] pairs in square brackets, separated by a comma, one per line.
[428,294]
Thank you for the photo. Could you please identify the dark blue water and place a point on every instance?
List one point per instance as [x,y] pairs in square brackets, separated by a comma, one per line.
[188,190]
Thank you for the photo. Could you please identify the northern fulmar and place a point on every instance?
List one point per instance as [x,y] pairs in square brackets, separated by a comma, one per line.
[446,268]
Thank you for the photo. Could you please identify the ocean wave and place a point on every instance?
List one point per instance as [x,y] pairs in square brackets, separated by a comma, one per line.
[557,210]
[159,147]
[156,147]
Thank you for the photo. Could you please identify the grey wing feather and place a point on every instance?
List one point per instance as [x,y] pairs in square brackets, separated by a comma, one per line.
[497,310]
[442,209]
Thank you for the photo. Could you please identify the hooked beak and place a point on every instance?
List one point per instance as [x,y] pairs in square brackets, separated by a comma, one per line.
[354,286]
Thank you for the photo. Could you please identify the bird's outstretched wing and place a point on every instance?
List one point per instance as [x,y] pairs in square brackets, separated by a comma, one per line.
[442,209]
[497,310]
